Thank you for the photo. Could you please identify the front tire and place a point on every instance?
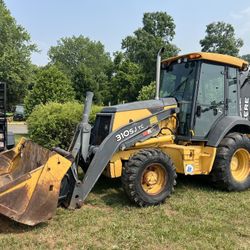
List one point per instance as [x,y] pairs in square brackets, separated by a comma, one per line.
[231,170]
[148,178]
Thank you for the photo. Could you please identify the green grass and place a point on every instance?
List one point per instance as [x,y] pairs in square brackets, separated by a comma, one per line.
[195,217]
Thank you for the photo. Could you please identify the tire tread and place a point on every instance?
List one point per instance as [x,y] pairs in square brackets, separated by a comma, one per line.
[131,168]
[221,174]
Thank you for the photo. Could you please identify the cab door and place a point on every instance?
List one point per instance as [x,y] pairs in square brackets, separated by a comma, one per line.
[210,104]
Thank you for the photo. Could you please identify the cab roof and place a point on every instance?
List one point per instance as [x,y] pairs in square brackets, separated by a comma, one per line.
[214,57]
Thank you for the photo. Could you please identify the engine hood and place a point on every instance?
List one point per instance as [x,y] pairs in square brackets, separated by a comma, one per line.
[152,105]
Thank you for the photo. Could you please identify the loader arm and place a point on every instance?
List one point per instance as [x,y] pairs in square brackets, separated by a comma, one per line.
[32,178]
[120,139]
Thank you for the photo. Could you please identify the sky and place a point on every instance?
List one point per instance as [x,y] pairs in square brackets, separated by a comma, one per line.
[110,21]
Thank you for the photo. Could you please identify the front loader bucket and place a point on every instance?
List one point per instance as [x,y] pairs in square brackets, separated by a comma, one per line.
[30,178]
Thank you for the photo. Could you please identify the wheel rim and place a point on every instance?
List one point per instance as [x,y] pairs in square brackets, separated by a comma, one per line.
[240,165]
[154,179]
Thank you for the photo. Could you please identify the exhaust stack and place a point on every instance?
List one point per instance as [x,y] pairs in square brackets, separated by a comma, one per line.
[158,71]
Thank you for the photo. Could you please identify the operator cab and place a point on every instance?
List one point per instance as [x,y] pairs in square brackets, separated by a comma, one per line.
[206,87]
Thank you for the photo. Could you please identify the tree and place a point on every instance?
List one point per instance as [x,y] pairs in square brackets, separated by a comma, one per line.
[147,92]
[85,79]
[158,31]
[15,52]
[127,80]
[246,57]
[51,85]
[85,62]
[220,38]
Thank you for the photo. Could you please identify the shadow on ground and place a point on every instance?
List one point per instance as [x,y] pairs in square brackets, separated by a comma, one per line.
[111,191]
[9,226]
[195,181]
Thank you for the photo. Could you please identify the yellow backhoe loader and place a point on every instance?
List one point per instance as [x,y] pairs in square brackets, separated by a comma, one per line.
[198,124]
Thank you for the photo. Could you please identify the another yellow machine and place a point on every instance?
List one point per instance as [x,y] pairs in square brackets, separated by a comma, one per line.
[198,124]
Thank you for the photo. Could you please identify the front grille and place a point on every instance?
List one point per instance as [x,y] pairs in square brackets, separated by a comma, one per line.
[101,128]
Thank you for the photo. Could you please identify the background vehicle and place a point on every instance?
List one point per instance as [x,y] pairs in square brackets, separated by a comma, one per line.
[19,114]
[198,124]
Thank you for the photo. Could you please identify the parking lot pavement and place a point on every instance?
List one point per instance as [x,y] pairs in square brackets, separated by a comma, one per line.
[18,128]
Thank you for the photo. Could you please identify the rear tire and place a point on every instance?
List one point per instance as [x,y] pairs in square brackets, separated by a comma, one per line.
[231,170]
[148,178]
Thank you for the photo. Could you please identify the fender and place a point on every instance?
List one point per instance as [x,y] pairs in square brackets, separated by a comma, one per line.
[225,125]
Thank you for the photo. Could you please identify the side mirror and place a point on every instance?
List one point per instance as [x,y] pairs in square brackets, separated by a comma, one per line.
[198,111]
[215,110]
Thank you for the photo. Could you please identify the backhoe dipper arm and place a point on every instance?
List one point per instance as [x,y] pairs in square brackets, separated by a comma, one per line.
[120,139]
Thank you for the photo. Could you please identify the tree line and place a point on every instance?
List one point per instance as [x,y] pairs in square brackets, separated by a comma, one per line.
[78,64]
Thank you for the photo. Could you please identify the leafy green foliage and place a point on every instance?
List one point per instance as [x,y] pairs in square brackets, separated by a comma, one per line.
[142,47]
[220,38]
[85,80]
[51,86]
[54,124]
[85,62]
[147,92]
[135,68]
[15,52]
[127,80]
[159,24]
[246,57]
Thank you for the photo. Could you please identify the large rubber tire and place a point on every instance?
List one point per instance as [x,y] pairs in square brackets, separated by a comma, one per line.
[228,172]
[145,164]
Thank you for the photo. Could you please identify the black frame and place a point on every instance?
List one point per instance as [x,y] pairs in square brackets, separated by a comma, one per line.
[3,116]
[194,98]
[97,124]
[191,137]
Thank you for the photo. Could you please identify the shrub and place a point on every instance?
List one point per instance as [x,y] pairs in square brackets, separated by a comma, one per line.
[53,124]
